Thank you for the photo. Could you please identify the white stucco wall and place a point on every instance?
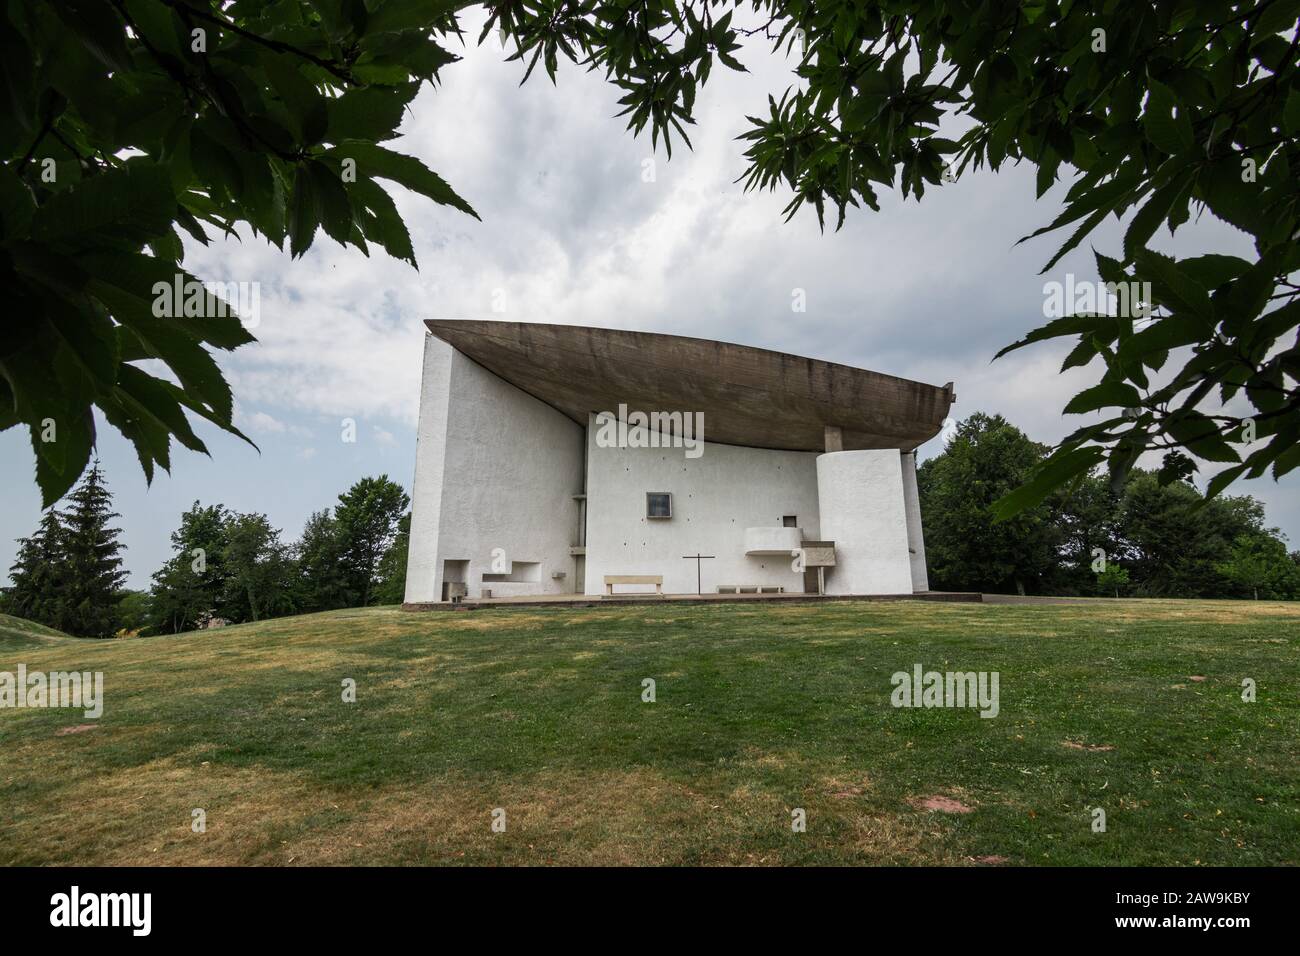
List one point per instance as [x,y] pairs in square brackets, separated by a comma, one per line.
[423,577]
[715,498]
[863,511]
[915,536]
[495,468]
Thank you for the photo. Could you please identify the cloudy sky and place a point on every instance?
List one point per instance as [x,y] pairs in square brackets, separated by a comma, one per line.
[573,233]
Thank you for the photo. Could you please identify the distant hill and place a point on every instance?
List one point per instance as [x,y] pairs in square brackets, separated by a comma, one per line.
[17,632]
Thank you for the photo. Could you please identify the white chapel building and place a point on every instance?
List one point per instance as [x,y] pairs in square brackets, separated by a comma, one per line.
[557,459]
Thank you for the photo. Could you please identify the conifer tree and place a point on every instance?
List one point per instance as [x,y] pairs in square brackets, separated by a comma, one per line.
[37,590]
[92,563]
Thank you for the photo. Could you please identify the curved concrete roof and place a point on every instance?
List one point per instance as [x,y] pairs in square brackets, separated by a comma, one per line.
[749,396]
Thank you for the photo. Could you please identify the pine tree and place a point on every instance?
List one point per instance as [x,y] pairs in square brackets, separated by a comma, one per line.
[37,590]
[92,567]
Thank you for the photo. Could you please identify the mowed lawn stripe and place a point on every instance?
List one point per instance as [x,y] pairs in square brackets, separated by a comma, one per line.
[759,710]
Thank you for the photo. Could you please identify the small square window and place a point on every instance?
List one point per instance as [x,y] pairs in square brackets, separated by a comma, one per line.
[658,504]
[790,521]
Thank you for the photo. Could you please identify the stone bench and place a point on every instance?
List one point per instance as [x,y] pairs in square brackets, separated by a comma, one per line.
[656,579]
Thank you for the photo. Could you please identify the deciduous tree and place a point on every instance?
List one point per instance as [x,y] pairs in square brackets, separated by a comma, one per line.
[323,580]
[966,549]
[391,588]
[367,516]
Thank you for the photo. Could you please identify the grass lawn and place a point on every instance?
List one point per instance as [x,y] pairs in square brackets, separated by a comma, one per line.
[759,710]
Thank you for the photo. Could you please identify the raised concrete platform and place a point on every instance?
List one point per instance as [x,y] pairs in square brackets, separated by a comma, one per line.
[623,600]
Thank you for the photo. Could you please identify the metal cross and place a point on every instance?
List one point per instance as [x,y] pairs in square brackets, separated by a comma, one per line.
[697,558]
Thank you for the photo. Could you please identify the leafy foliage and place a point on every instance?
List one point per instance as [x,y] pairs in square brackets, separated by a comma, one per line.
[194,583]
[134,611]
[367,516]
[391,585]
[1155,112]
[234,566]
[129,122]
[1258,564]
[1150,539]
[260,568]
[1114,579]
[163,117]
[965,548]
[322,580]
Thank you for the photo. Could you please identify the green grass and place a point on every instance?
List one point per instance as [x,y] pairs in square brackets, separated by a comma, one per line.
[760,709]
[17,634]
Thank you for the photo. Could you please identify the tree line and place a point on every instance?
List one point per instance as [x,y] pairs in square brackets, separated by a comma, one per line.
[1149,536]
[1152,535]
[226,567]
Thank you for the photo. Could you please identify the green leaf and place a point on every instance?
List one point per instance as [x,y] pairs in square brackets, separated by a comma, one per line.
[1155,211]
[141,278]
[170,341]
[1067,325]
[88,335]
[1288,460]
[1200,435]
[1110,393]
[134,201]
[374,211]
[332,207]
[394,16]
[1291,112]
[17,204]
[1167,332]
[1169,131]
[369,113]
[98,27]
[1222,480]
[1173,287]
[1213,270]
[408,171]
[1088,225]
[303,211]
[1052,472]
[152,440]
[152,397]
[75,437]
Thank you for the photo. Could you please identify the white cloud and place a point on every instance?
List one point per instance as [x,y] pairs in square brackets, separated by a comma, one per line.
[262,422]
[572,233]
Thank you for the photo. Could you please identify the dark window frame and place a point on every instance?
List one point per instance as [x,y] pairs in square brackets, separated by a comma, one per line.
[668,496]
